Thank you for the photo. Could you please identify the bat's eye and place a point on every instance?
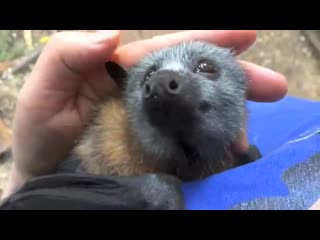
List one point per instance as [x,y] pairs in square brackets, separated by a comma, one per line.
[205,67]
[150,72]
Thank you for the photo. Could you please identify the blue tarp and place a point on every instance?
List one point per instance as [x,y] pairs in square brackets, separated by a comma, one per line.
[287,133]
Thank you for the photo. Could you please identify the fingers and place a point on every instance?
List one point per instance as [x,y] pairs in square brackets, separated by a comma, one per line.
[80,50]
[242,144]
[265,85]
[239,40]
[71,53]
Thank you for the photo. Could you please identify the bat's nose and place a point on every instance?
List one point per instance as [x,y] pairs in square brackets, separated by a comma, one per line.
[162,85]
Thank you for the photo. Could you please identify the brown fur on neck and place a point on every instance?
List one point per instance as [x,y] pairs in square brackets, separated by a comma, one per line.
[107,146]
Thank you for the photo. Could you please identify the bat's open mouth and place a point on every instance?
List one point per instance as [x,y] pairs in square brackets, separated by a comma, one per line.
[191,167]
[191,153]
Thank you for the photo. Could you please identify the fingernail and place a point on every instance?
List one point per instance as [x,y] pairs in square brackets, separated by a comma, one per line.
[104,35]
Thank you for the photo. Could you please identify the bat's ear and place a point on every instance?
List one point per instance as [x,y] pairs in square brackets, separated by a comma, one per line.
[117,73]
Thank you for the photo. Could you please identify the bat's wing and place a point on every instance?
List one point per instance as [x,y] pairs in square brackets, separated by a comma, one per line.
[80,191]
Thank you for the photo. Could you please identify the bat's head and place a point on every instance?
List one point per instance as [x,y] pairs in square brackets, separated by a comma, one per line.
[184,101]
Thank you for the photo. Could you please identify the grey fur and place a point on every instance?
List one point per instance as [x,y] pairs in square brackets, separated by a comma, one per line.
[216,128]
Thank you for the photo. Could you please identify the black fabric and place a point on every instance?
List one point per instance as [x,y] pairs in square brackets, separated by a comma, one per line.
[80,191]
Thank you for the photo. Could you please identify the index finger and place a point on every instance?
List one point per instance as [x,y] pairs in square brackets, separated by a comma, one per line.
[239,40]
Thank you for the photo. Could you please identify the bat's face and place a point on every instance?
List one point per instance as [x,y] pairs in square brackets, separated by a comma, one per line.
[192,93]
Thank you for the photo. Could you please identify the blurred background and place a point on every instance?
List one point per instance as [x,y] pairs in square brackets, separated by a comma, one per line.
[292,53]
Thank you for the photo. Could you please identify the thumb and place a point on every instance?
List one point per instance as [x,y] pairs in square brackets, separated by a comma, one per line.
[69,54]
[81,50]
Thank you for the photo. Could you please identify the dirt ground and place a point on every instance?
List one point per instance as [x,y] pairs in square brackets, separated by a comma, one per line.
[288,52]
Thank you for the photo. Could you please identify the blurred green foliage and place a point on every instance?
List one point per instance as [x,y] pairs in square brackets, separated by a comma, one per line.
[12,45]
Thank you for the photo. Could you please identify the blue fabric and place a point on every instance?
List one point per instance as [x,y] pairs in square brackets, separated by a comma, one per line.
[288,175]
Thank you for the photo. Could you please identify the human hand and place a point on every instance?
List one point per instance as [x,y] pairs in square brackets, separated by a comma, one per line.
[69,78]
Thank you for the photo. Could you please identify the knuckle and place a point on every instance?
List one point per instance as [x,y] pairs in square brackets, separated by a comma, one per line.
[64,37]
[59,37]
